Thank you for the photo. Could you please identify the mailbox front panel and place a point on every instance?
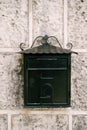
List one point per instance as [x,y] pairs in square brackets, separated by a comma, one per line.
[47,80]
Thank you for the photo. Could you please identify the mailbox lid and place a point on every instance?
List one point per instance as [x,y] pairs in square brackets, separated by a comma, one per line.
[47,48]
[46,45]
[47,60]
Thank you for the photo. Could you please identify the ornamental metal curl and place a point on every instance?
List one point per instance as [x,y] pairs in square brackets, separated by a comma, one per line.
[69,45]
[22,45]
[44,39]
[56,40]
[36,39]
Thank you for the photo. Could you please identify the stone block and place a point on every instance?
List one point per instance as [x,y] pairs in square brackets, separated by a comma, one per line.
[13,22]
[48,18]
[40,122]
[79,81]
[77,23]
[80,122]
[3,122]
[11,81]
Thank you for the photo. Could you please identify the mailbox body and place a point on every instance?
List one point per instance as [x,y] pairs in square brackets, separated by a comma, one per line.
[47,80]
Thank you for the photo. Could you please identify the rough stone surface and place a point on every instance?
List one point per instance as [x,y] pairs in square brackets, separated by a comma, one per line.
[77,25]
[80,122]
[11,81]
[3,122]
[48,18]
[13,22]
[79,81]
[40,122]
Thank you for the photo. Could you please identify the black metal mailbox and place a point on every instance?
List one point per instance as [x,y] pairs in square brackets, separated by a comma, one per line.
[47,75]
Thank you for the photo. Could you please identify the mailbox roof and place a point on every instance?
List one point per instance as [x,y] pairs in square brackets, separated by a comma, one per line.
[47,49]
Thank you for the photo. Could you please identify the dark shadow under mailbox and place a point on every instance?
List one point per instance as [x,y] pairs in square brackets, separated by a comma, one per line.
[47,74]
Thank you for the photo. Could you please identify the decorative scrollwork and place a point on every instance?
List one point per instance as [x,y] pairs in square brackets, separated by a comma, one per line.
[38,39]
[69,46]
[22,46]
[55,40]
[45,39]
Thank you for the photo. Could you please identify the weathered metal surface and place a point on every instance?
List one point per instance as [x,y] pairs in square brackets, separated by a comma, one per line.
[46,46]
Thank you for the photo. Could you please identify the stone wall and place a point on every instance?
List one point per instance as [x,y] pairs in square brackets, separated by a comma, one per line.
[65,19]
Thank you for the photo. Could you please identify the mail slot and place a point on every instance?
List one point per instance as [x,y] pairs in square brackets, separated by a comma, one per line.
[47,75]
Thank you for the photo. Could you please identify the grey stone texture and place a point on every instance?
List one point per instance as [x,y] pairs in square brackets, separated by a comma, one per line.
[13,22]
[79,81]
[3,122]
[40,122]
[77,23]
[11,81]
[80,122]
[48,18]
